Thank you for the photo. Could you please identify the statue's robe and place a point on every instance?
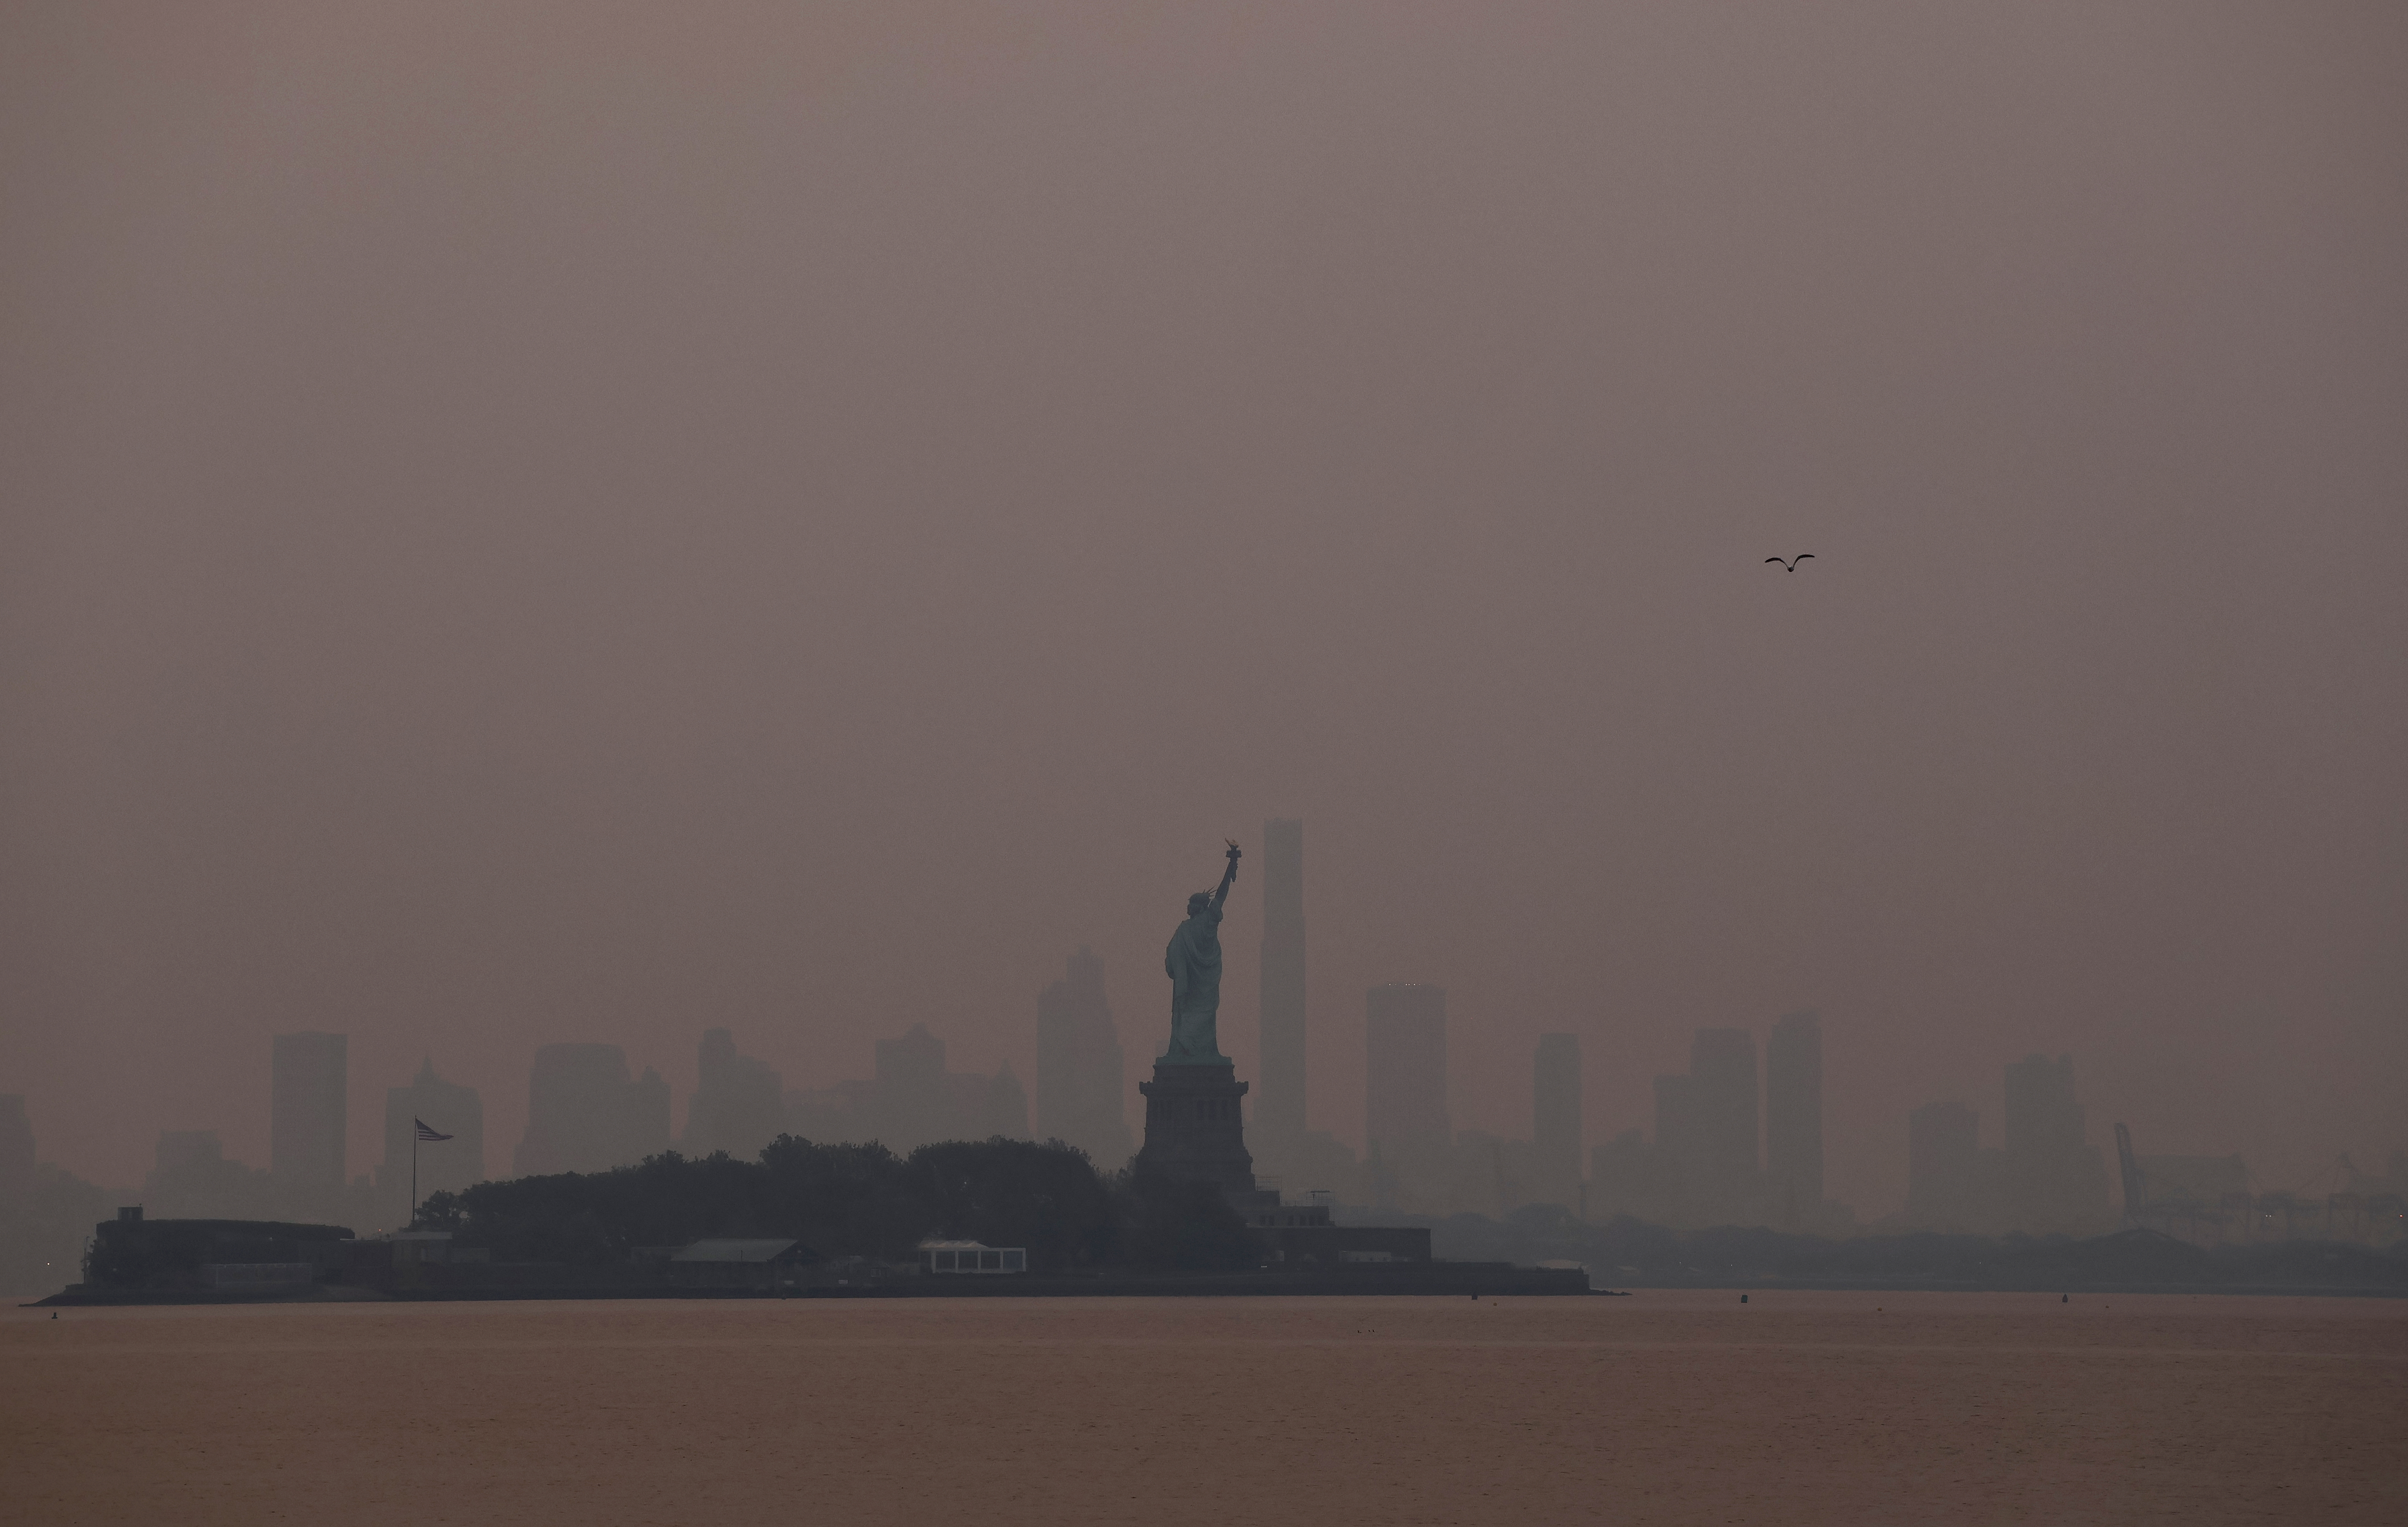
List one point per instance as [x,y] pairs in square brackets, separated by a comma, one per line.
[1194,964]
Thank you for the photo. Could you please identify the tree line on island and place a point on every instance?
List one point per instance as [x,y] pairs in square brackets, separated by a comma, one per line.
[858,1200]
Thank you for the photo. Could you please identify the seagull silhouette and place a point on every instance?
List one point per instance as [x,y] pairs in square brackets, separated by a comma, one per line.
[1791,565]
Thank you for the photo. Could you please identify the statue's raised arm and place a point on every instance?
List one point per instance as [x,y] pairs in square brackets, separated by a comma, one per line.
[1227,875]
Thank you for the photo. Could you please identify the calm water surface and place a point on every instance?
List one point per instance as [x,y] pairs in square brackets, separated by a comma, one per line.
[1661,1408]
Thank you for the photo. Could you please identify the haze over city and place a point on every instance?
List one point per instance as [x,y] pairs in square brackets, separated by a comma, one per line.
[573,523]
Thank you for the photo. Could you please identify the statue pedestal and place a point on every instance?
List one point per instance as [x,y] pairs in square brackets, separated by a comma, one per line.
[1194,1129]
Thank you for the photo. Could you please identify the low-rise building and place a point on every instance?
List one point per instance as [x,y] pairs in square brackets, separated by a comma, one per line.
[1327,1244]
[973,1257]
[731,1264]
[432,1246]
[132,1252]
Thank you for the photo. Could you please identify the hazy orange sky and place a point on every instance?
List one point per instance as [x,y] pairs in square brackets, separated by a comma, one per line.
[593,521]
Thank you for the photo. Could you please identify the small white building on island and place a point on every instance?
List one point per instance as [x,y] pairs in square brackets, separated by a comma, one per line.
[973,1257]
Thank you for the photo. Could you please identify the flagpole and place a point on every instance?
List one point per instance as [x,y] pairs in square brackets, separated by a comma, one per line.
[413,1176]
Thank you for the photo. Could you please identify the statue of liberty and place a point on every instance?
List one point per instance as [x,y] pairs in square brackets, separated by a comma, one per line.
[1194,964]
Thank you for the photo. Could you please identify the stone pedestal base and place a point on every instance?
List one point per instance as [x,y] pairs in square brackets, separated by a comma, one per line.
[1195,1127]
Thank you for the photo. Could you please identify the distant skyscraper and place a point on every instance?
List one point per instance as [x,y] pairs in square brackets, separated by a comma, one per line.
[1722,1070]
[913,1101]
[307,1119]
[1279,1113]
[913,1104]
[1082,1090]
[193,1179]
[1680,1146]
[2054,1179]
[827,1115]
[585,1115]
[1943,1167]
[449,1108]
[1555,1119]
[1405,1073]
[648,1118]
[1004,1103]
[1793,1119]
[739,1103]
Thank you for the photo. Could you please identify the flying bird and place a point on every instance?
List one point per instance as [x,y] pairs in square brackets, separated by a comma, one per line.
[1791,565]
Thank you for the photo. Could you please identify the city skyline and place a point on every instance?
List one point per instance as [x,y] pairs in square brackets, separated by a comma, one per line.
[824,610]
[1729,1143]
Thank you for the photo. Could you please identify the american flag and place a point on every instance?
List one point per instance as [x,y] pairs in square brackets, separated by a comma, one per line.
[425,1133]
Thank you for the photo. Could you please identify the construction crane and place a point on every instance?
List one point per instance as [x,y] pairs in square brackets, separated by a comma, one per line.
[2175,1199]
[2136,1187]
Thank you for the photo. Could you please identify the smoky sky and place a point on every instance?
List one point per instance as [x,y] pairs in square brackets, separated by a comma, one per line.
[595,521]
